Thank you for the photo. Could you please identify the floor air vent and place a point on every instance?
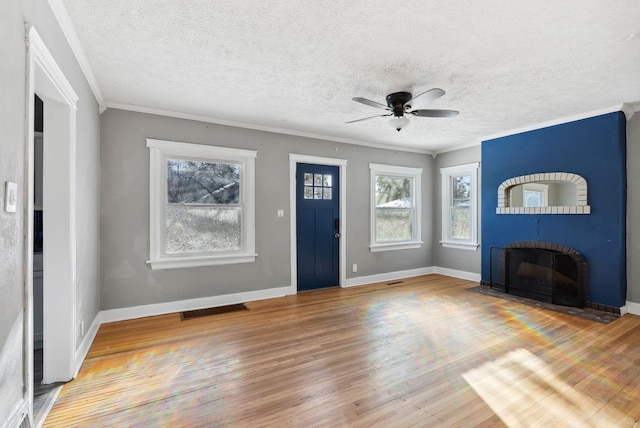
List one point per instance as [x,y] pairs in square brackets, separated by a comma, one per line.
[395,282]
[187,315]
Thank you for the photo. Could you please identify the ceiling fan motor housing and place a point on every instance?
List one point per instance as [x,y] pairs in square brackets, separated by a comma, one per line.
[397,101]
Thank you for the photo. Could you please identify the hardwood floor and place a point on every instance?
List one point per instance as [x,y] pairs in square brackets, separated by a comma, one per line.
[422,353]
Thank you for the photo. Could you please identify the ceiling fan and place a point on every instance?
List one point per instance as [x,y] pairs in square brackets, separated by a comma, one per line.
[399,104]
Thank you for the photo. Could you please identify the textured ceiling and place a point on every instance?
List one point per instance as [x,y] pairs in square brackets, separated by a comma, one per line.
[296,65]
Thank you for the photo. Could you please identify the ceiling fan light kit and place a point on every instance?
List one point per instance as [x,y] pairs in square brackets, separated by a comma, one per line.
[399,122]
[399,104]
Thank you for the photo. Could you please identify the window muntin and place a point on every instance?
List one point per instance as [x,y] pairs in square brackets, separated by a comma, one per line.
[395,208]
[460,206]
[202,205]
[317,186]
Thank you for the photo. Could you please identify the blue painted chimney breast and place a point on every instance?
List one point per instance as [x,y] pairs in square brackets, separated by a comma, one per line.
[594,148]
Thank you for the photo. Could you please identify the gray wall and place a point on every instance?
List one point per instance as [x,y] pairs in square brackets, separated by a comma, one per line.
[633,209]
[128,281]
[12,105]
[12,148]
[452,258]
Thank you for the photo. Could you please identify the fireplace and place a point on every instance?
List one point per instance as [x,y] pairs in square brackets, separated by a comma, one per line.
[543,271]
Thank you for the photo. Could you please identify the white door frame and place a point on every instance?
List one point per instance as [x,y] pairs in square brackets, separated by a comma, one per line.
[47,80]
[294,159]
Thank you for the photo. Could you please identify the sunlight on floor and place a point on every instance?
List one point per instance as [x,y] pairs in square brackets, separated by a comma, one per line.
[522,387]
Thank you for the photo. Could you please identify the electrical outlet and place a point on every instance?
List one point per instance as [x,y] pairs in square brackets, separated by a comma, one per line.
[354,268]
[81,329]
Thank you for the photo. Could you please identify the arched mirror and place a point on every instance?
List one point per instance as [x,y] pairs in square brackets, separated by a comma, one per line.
[543,193]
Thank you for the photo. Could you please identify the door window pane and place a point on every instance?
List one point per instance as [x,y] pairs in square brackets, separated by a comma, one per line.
[308,192]
[317,186]
[308,179]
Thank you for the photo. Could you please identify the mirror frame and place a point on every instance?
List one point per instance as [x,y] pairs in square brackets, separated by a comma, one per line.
[581,188]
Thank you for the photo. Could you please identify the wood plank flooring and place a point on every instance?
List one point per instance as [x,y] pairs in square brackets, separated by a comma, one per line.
[422,353]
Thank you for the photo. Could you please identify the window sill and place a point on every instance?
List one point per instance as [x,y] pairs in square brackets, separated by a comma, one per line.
[187,262]
[460,245]
[395,246]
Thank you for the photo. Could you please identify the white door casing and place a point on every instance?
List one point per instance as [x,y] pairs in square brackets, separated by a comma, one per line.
[46,80]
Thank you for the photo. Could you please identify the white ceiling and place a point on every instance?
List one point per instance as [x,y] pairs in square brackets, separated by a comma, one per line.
[295,65]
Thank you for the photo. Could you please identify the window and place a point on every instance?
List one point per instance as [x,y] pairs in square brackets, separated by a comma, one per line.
[395,207]
[201,205]
[535,195]
[460,206]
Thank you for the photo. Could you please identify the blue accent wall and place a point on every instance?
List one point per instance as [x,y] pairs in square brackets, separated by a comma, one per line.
[594,148]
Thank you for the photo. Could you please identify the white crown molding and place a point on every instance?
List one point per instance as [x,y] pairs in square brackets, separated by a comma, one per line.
[559,121]
[457,147]
[245,125]
[61,15]
[629,109]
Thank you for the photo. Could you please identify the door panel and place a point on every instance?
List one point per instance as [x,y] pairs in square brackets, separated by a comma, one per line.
[317,219]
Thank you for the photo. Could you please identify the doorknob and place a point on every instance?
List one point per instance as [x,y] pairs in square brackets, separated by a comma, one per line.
[337,235]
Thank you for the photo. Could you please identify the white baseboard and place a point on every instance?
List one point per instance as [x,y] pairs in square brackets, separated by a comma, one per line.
[89,336]
[388,276]
[19,412]
[121,314]
[632,308]
[469,276]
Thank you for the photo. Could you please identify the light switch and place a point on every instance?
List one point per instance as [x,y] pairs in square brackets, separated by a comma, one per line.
[10,197]
[280,213]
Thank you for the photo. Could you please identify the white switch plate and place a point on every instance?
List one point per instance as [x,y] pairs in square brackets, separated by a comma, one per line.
[280,213]
[10,197]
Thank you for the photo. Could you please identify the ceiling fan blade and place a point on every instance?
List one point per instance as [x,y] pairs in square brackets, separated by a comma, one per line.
[434,113]
[370,103]
[370,117]
[425,97]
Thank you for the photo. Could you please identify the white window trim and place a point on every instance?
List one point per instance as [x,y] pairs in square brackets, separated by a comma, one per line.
[160,151]
[398,171]
[446,175]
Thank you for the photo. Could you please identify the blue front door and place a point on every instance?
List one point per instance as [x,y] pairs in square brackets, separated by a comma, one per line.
[318,225]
